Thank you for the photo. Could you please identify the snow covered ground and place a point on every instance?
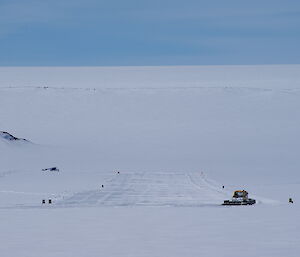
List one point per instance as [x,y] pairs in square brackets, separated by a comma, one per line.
[162,141]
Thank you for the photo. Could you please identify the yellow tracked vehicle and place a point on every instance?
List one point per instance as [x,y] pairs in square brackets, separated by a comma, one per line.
[240,197]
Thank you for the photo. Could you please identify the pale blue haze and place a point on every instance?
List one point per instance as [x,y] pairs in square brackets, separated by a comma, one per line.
[138,32]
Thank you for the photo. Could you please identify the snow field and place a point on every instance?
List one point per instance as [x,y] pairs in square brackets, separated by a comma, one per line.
[160,127]
[151,231]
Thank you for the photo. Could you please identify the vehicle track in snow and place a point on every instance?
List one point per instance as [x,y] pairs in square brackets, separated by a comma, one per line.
[209,87]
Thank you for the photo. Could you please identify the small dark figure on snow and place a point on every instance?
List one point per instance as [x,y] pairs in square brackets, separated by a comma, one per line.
[43,201]
[102,186]
[50,201]
[222,186]
[291,200]
[118,172]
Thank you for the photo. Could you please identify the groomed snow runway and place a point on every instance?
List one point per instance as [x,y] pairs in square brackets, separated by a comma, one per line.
[153,189]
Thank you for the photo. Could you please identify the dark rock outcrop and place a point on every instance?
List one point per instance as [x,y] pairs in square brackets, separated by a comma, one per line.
[9,137]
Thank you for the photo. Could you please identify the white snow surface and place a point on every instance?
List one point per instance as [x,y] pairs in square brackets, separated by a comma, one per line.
[143,153]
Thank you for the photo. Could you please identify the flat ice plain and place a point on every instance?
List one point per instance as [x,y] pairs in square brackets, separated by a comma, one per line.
[176,135]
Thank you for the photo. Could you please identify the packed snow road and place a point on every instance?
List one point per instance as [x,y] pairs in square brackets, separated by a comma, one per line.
[153,189]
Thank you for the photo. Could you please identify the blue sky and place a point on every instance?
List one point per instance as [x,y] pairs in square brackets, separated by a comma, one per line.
[139,32]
